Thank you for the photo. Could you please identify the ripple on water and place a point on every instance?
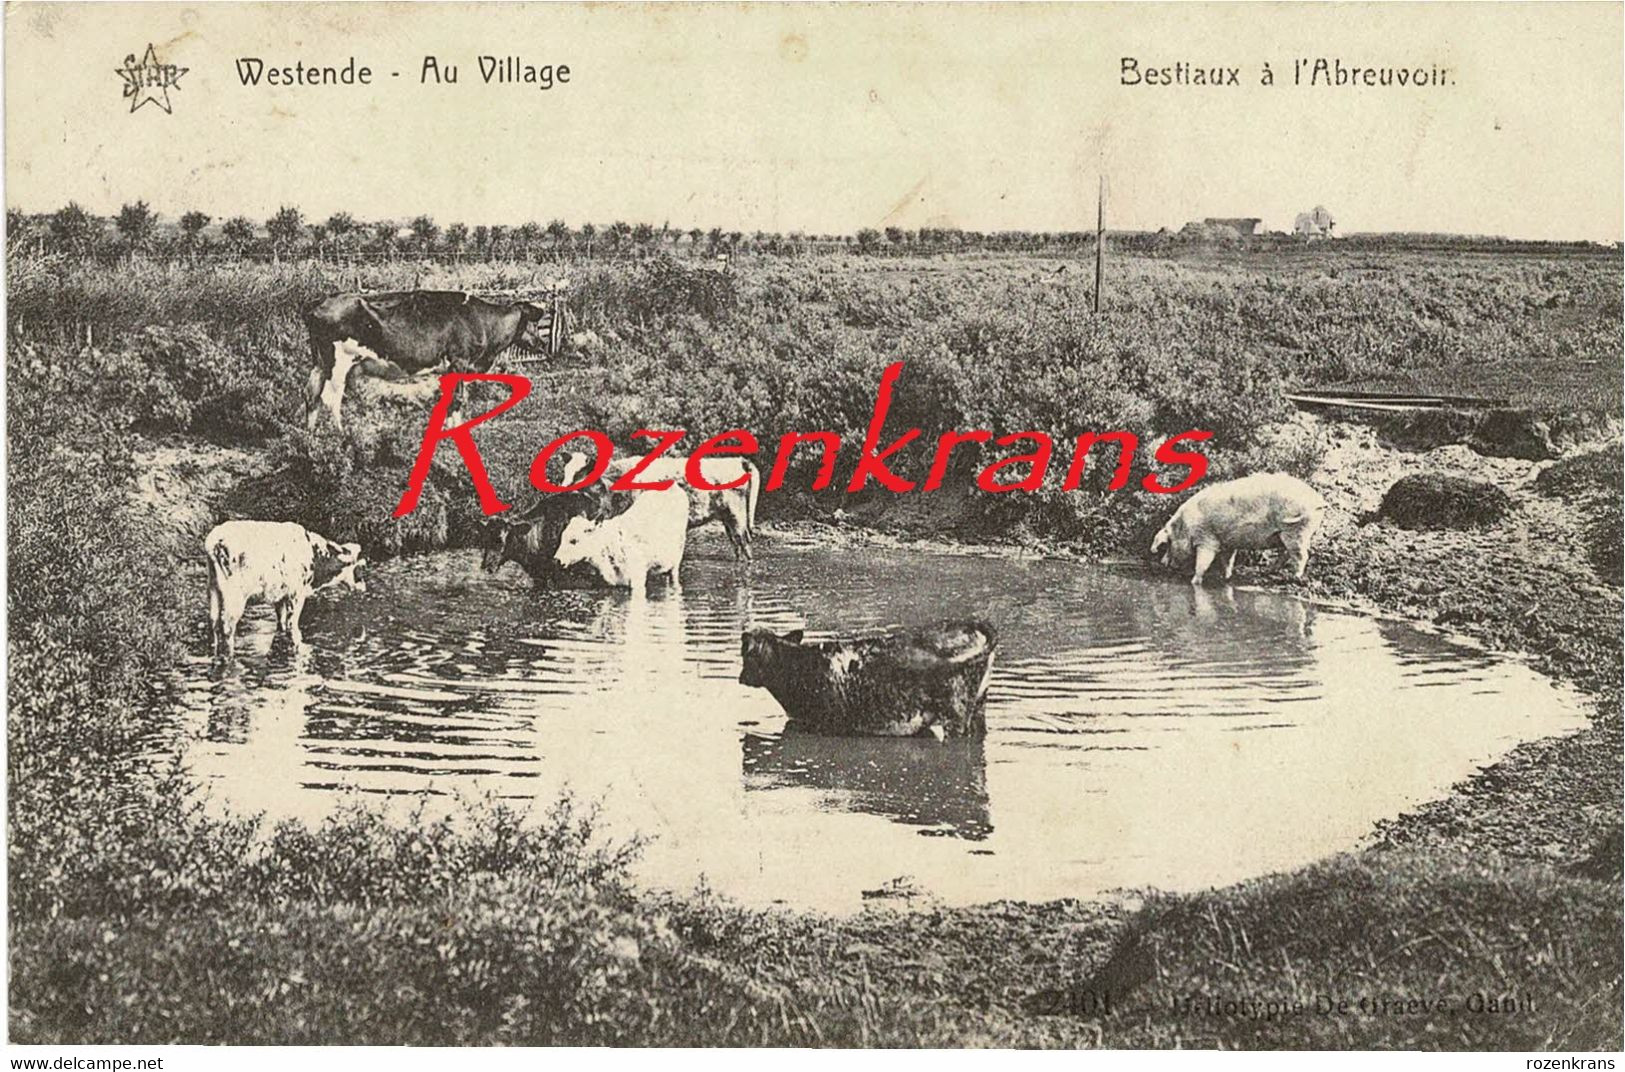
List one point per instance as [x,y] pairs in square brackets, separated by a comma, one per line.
[1140,732]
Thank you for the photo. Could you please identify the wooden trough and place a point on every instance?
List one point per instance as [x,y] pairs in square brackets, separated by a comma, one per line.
[1386,402]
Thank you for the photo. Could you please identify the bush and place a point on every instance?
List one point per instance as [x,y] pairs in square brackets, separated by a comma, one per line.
[645,295]
[1592,472]
[1438,501]
[1390,928]
[178,379]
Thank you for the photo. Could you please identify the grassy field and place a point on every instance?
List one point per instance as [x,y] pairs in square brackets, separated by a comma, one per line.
[135,918]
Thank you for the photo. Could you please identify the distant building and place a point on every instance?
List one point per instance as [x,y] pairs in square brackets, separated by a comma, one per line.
[1241,225]
[1317,223]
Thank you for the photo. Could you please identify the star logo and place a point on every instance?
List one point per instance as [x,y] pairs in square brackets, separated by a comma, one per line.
[149,81]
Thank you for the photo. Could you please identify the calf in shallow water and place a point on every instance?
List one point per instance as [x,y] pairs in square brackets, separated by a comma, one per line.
[734,507]
[625,546]
[904,684]
[276,562]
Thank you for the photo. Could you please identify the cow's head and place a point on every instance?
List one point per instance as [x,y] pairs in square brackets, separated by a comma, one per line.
[587,535]
[1172,544]
[502,539]
[586,540]
[598,502]
[532,319]
[534,538]
[336,565]
[759,651]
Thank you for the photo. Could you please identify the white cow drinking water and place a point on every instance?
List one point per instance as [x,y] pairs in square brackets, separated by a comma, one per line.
[734,507]
[627,546]
[275,562]
[1248,514]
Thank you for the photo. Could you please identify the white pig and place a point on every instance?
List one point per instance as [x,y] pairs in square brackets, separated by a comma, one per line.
[1246,514]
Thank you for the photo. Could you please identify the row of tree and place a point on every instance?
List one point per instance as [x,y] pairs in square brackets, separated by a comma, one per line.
[137,228]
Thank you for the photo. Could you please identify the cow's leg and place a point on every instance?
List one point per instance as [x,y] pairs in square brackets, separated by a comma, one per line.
[1305,538]
[283,607]
[729,510]
[454,416]
[216,639]
[332,393]
[295,609]
[637,572]
[231,612]
[1205,554]
[739,519]
[313,397]
[321,367]
[1230,566]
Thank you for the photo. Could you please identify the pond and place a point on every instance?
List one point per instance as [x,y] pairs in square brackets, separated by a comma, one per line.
[1139,732]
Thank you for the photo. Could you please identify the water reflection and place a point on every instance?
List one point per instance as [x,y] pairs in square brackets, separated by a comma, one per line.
[940,787]
[1140,731]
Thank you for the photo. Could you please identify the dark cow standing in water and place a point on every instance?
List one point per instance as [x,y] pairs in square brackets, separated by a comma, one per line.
[917,683]
[413,330]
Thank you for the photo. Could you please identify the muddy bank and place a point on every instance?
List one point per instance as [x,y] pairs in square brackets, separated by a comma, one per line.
[1534,583]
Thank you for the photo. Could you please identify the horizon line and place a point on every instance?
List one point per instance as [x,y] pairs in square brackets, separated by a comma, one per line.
[405,221]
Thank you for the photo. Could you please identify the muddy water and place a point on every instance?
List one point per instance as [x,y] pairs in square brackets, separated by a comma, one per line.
[1139,732]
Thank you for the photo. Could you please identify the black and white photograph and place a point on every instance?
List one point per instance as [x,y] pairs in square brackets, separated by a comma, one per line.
[833,525]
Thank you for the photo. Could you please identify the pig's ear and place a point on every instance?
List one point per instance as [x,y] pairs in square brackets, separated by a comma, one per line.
[794,636]
[1159,541]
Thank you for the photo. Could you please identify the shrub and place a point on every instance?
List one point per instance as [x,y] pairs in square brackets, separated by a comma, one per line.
[1582,474]
[179,379]
[1438,501]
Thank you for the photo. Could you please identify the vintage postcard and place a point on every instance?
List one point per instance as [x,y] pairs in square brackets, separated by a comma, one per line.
[814,525]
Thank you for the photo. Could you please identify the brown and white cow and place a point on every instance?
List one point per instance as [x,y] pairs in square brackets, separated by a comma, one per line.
[412,331]
[276,562]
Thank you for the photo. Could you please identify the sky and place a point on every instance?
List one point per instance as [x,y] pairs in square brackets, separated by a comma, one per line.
[827,119]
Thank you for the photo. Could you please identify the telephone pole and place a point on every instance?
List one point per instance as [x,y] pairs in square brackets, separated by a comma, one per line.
[1100,237]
